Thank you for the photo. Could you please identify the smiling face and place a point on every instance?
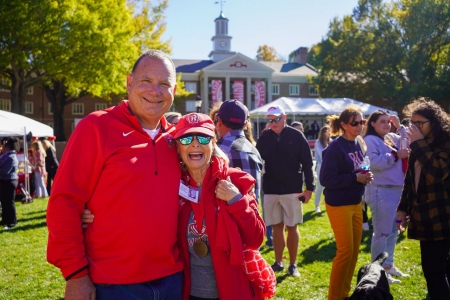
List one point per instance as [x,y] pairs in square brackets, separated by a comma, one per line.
[382,125]
[151,89]
[425,128]
[195,155]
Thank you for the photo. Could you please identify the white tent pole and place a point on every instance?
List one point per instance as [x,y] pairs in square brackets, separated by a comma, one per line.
[257,126]
[25,155]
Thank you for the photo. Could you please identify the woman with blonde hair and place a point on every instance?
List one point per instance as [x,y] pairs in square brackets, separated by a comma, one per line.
[344,184]
[37,161]
[51,163]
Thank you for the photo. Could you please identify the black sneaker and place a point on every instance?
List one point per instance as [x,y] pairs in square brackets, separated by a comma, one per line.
[293,270]
[276,267]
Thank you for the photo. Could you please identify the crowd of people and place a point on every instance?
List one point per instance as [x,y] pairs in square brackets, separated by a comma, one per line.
[169,201]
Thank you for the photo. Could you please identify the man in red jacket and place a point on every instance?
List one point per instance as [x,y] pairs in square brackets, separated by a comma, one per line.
[122,164]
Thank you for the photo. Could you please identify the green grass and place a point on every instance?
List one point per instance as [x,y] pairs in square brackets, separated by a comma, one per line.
[25,273]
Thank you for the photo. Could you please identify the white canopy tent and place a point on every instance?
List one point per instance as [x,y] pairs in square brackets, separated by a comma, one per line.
[16,125]
[312,107]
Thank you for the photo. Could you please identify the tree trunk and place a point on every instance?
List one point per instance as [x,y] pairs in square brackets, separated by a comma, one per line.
[56,95]
[17,95]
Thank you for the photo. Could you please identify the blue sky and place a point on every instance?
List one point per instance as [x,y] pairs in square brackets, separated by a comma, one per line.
[283,24]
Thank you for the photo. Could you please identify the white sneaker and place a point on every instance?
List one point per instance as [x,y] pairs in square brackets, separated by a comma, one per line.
[392,280]
[396,272]
[318,209]
[366,226]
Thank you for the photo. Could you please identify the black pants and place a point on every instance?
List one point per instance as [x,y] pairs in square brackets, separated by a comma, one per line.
[364,213]
[436,269]
[50,176]
[7,196]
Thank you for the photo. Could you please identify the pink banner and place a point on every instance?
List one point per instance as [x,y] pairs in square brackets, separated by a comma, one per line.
[216,89]
[260,93]
[238,89]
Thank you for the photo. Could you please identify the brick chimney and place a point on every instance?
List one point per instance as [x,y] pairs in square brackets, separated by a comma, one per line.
[299,56]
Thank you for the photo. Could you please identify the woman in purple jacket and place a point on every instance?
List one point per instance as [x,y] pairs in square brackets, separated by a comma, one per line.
[344,183]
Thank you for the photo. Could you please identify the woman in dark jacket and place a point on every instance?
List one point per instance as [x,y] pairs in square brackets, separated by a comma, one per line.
[8,182]
[425,198]
[51,163]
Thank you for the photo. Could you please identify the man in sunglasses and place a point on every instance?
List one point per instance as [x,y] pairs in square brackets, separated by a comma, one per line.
[286,156]
[128,177]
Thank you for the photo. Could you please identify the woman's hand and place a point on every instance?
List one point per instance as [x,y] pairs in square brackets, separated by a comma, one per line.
[226,190]
[395,121]
[414,133]
[87,218]
[364,178]
[403,153]
[401,220]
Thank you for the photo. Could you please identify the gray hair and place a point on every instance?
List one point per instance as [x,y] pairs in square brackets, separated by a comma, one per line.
[160,55]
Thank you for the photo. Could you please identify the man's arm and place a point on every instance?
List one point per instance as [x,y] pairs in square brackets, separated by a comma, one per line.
[77,177]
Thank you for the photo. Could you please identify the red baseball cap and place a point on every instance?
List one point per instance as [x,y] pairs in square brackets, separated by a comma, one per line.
[195,123]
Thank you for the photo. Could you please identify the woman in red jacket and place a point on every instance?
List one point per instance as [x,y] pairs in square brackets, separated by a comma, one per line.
[218,216]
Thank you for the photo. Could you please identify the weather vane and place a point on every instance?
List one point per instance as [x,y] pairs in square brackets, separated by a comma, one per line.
[222,2]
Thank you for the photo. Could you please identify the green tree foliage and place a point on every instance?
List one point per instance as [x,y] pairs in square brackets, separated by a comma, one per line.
[181,94]
[76,47]
[267,53]
[387,50]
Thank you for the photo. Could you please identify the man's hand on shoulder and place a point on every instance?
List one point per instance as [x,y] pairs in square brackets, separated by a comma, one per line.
[80,289]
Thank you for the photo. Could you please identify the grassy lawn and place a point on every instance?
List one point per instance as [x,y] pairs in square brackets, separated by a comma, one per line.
[25,274]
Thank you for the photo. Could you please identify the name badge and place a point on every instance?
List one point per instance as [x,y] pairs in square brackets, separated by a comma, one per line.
[188,192]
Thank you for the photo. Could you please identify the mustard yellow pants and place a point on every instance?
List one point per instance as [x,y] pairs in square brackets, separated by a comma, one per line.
[346,222]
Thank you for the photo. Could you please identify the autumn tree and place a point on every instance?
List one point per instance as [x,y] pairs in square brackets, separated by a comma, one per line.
[267,53]
[395,51]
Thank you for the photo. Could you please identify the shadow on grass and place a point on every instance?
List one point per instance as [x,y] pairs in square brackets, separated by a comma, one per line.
[21,227]
[324,250]
[32,218]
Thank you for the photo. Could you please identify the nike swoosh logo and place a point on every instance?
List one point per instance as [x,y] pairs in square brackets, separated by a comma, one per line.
[125,134]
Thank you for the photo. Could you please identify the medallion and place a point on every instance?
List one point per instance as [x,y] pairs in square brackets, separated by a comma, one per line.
[200,248]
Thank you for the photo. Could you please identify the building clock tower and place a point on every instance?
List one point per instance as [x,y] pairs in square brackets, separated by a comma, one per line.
[221,41]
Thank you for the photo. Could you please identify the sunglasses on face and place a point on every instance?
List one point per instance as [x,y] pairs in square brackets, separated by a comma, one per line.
[187,140]
[419,123]
[276,120]
[355,123]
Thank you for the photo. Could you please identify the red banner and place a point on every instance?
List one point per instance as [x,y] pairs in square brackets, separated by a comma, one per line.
[238,90]
[260,93]
[216,89]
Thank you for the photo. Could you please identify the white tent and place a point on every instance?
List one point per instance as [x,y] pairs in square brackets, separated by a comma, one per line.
[16,125]
[312,107]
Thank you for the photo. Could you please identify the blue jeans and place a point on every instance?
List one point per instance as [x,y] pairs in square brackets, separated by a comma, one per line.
[166,288]
[383,201]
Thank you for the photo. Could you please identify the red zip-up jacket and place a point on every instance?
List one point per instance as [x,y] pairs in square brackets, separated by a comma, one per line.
[232,282]
[130,183]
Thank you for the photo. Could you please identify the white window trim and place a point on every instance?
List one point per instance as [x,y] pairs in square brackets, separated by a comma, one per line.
[50,109]
[193,84]
[32,107]
[315,91]
[278,89]
[101,106]
[292,86]
[79,105]
[5,82]
[6,102]
[30,91]
[190,106]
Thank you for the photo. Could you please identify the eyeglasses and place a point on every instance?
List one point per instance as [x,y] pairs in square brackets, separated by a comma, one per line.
[419,123]
[276,120]
[355,123]
[216,119]
[187,140]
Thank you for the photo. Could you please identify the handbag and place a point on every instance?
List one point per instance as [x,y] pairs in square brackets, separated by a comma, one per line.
[259,273]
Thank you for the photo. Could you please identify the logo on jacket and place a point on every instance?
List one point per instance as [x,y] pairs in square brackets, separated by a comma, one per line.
[126,134]
[170,140]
